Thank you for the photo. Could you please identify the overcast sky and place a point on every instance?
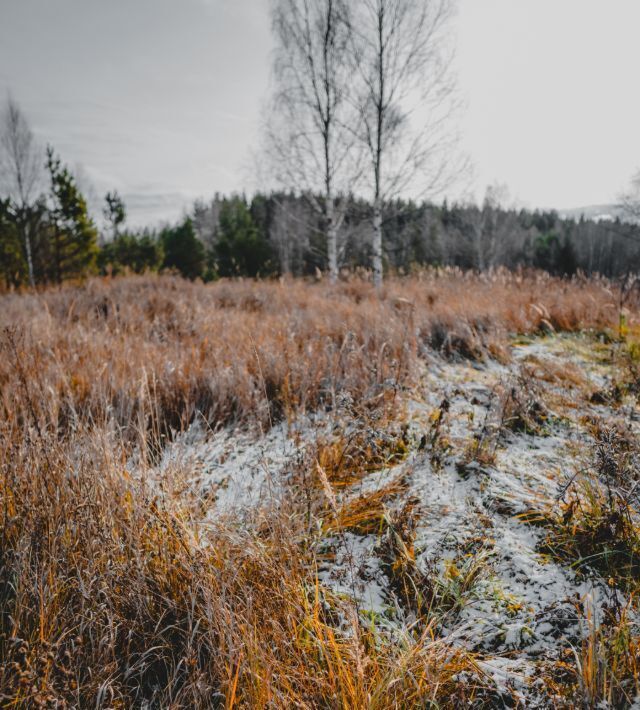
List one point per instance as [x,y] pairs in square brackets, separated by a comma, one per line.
[161,99]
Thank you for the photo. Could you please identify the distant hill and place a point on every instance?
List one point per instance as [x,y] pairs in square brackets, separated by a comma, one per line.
[597,213]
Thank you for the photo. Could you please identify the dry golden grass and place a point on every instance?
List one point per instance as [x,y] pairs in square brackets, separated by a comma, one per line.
[596,524]
[112,598]
[604,671]
[345,459]
[144,354]
[112,593]
[597,530]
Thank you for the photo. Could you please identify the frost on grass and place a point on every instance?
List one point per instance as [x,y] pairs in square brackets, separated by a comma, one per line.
[451,532]
[238,470]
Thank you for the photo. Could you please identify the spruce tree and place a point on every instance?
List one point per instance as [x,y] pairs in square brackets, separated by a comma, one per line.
[72,235]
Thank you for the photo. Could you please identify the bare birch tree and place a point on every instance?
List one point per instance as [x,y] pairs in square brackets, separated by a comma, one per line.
[310,137]
[405,102]
[489,225]
[21,170]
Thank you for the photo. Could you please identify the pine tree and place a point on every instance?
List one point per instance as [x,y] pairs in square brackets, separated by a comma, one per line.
[567,261]
[240,248]
[114,212]
[183,250]
[73,236]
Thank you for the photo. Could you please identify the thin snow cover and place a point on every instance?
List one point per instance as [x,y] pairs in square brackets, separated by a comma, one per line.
[524,607]
[353,570]
[240,469]
[521,608]
[578,350]
[525,600]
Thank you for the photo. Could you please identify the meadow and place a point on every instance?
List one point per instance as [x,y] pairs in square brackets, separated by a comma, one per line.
[445,401]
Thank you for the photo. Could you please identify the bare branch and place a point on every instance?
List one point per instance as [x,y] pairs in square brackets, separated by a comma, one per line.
[406,101]
[309,133]
[21,171]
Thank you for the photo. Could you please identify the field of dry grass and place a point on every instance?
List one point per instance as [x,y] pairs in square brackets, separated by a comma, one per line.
[123,585]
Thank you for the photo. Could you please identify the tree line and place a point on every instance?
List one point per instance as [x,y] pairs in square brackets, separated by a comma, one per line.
[47,234]
[53,238]
[293,236]
[360,118]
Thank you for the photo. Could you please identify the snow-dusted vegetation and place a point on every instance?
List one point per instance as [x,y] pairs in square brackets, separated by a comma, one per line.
[288,494]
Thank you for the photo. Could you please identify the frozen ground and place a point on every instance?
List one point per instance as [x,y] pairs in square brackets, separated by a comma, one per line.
[470,509]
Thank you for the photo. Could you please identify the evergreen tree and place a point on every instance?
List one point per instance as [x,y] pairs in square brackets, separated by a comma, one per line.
[13,265]
[138,253]
[545,251]
[72,234]
[240,248]
[567,261]
[183,251]
[114,212]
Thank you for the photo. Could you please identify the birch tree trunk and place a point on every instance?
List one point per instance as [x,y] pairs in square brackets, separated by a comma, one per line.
[332,239]
[27,248]
[377,244]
